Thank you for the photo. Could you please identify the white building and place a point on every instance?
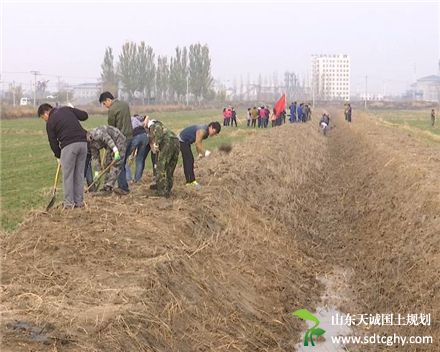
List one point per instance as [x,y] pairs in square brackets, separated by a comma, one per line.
[427,88]
[86,92]
[330,77]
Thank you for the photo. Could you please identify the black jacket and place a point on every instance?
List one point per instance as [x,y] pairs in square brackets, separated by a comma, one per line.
[63,128]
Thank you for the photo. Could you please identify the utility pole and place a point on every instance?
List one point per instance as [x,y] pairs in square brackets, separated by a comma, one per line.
[13,93]
[187,89]
[35,73]
[366,81]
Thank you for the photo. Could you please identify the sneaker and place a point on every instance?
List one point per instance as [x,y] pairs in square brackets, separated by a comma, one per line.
[194,184]
[153,186]
[78,206]
[121,192]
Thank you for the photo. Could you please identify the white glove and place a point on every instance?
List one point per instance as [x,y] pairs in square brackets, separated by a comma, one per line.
[207,153]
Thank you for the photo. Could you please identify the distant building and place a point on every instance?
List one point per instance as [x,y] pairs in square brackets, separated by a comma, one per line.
[330,77]
[86,92]
[427,88]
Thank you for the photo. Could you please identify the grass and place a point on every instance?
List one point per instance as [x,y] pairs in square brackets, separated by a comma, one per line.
[28,165]
[418,120]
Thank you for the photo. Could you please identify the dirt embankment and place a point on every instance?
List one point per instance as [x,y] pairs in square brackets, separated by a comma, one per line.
[221,269]
[218,269]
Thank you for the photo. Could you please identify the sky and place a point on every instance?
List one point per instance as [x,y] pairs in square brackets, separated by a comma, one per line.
[390,43]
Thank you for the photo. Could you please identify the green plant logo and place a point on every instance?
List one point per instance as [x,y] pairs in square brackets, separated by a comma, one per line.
[315,330]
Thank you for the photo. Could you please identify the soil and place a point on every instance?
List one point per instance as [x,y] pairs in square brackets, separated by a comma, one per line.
[222,268]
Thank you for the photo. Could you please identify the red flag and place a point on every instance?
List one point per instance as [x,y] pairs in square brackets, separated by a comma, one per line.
[280,106]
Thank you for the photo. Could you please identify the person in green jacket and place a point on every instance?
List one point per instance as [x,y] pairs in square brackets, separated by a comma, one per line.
[119,116]
[165,145]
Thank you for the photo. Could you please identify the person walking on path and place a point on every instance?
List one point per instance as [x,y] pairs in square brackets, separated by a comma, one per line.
[432,117]
[348,112]
[68,141]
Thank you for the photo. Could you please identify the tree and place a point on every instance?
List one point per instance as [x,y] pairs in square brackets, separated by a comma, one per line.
[109,78]
[128,69]
[162,78]
[200,79]
[179,72]
[14,94]
[41,89]
[146,70]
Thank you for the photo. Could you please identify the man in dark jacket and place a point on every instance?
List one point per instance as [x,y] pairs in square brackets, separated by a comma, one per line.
[68,142]
[113,141]
[119,116]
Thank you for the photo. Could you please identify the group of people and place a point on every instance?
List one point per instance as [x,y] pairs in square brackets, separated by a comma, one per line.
[300,113]
[229,116]
[260,116]
[80,151]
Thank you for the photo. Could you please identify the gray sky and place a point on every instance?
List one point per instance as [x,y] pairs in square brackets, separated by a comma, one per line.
[391,43]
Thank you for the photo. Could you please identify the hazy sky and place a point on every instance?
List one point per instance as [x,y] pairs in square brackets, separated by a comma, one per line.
[390,42]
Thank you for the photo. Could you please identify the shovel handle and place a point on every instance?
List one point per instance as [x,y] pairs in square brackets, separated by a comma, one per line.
[57,174]
[100,175]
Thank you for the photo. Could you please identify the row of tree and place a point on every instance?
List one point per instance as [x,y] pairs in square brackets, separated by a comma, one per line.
[140,75]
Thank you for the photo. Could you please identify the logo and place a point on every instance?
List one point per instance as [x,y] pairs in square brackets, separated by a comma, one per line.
[315,330]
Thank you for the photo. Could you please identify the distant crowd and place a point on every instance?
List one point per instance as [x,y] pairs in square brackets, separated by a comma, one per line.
[259,117]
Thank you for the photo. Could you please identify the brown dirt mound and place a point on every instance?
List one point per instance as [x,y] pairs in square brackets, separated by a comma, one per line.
[217,269]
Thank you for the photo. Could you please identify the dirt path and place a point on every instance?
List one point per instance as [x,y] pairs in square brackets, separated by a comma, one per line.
[222,269]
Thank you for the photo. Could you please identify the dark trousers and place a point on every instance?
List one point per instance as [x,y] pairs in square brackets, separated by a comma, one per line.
[254,123]
[153,160]
[122,178]
[188,162]
[233,119]
[88,172]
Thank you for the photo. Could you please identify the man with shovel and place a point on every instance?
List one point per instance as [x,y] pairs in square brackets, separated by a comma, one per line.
[113,142]
[68,142]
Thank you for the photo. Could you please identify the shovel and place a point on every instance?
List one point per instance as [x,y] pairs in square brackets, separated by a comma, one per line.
[54,191]
[100,175]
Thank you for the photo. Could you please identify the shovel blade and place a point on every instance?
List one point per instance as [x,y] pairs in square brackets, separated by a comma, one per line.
[51,203]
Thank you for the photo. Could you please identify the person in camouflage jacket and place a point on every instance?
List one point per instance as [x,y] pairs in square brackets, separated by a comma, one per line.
[113,141]
[165,144]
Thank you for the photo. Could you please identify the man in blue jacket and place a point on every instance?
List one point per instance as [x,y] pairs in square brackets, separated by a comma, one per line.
[292,108]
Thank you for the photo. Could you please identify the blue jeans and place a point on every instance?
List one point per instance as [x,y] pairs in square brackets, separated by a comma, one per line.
[122,178]
[140,143]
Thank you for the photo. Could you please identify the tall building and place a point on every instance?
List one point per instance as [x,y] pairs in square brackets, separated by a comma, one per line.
[330,77]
